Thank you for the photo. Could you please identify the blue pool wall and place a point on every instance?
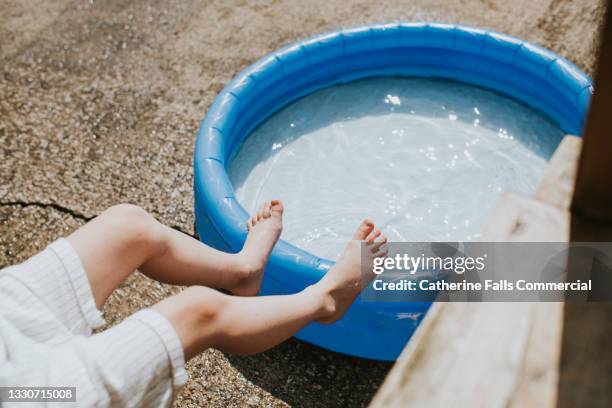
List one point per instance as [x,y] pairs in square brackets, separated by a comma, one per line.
[526,72]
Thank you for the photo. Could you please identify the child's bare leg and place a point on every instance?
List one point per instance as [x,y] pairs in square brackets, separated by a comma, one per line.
[205,318]
[125,238]
[187,261]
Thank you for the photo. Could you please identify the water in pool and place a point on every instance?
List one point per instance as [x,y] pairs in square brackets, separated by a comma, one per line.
[425,159]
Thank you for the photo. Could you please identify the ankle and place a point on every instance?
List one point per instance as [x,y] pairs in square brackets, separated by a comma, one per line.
[248,264]
[323,301]
[247,274]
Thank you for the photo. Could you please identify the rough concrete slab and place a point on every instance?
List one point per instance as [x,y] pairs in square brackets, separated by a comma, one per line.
[100,102]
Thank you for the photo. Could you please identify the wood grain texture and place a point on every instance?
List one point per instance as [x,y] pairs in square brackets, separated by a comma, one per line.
[558,182]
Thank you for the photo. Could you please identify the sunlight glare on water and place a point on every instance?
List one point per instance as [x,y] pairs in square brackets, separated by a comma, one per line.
[425,159]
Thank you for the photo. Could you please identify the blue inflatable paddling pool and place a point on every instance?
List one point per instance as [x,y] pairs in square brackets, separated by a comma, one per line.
[528,73]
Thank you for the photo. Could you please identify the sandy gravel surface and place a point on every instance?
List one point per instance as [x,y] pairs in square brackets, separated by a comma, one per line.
[100,102]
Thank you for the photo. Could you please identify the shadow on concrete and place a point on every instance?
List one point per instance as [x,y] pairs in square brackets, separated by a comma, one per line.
[304,375]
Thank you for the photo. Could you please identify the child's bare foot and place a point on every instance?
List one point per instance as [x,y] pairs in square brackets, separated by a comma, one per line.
[264,230]
[342,283]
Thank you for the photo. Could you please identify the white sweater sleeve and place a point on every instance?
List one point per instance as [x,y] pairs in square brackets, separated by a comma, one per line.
[136,363]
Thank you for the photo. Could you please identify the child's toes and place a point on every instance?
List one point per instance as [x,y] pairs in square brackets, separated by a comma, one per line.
[378,243]
[363,230]
[266,209]
[373,235]
[276,208]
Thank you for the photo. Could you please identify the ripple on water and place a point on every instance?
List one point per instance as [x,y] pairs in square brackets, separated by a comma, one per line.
[426,159]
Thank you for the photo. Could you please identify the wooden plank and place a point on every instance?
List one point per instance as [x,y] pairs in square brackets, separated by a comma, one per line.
[538,379]
[558,182]
[537,385]
[522,219]
[456,359]
[462,346]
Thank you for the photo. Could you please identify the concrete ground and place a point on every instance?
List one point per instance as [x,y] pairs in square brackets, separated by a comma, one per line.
[100,102]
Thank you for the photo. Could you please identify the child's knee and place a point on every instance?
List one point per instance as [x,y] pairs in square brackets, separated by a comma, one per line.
[205,303]
[137,225]
[127,211]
